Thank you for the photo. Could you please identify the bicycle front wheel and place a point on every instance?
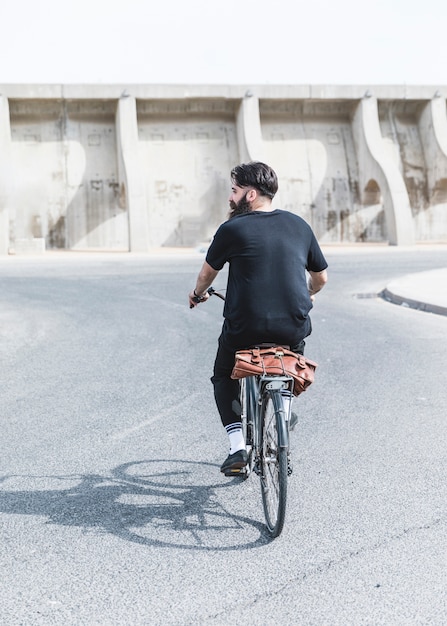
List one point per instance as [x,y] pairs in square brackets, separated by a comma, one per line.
[273,463]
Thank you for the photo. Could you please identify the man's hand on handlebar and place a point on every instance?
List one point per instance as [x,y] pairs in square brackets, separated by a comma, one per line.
[197,298]
[202,292]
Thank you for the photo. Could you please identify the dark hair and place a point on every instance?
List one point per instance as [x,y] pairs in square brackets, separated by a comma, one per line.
[257,175]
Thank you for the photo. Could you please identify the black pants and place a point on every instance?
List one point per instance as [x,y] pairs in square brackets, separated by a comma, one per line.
[226,390]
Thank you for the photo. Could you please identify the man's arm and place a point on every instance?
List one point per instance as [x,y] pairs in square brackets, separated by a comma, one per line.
[204,280]
[316,282]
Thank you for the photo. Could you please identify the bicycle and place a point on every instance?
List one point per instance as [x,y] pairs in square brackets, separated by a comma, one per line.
[266,416]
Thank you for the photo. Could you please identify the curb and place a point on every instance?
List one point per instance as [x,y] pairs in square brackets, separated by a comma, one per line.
[423,291]
[389,296]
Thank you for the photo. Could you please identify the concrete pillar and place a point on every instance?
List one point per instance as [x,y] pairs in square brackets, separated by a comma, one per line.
[131,179]
[5,174]
[375,163]
[433,133]
[249,130]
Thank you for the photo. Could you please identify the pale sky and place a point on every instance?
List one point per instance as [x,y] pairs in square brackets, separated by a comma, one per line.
[218,42]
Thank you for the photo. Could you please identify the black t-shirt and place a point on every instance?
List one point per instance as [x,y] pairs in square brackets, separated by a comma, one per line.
[267,299]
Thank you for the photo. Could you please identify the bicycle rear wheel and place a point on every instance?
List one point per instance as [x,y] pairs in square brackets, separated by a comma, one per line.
[273,463]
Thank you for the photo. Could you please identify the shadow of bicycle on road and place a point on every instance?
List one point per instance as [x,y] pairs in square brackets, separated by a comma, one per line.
[166,503]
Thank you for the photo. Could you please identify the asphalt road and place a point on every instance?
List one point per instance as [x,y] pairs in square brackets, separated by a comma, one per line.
[112,507]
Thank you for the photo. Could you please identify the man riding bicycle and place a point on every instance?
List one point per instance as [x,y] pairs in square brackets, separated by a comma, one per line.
[268,296]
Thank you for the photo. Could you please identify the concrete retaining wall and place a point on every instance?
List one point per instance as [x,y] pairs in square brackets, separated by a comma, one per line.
[114,168]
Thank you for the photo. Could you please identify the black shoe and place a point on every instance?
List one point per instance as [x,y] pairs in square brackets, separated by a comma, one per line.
[234,461]
[293,421]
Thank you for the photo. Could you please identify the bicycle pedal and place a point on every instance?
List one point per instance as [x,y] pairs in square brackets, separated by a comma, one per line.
[240,471]
[257,469]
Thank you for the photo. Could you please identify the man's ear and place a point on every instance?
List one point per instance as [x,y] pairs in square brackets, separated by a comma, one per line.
[251,195]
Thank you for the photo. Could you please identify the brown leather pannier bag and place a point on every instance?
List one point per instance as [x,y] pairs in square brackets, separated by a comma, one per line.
[275,360]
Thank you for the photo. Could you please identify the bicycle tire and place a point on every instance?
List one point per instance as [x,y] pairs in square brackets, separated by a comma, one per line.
[274,470]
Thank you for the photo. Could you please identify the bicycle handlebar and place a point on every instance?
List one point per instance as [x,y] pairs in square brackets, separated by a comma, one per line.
[212,292]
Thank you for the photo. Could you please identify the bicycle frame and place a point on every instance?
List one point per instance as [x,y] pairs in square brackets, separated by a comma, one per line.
[278,386]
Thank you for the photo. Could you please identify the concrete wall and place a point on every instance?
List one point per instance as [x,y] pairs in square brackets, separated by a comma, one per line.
[114,168]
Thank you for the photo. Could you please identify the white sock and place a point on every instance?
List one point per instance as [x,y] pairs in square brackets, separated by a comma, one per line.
[236,437]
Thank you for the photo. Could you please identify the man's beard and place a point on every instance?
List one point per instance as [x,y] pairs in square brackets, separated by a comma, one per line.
[243,206]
